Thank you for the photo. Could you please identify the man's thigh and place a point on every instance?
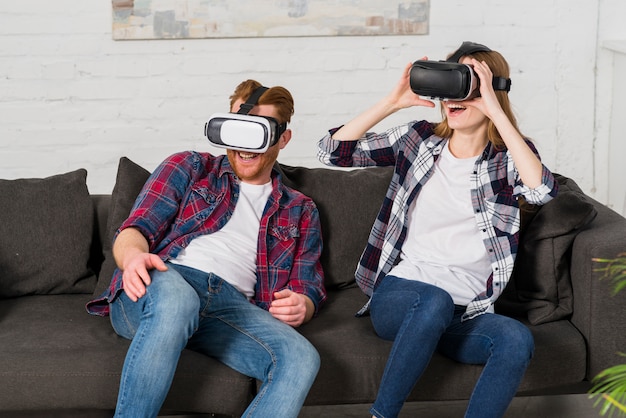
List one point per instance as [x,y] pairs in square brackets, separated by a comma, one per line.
[242,335]
[166,294]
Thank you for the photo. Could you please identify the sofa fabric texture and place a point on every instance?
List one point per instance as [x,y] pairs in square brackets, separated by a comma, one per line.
[128,184]
[540,287]
[56,255]
[47,229]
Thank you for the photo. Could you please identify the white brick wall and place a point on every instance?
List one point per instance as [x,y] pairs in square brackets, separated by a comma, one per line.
[72,97]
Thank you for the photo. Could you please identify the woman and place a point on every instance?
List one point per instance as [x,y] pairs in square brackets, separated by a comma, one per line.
[442,248]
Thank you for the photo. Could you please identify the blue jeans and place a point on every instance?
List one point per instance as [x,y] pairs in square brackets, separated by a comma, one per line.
[420,319]
[184,307]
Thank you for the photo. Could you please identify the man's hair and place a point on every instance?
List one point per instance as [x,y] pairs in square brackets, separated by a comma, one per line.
[277,96]
[500,68]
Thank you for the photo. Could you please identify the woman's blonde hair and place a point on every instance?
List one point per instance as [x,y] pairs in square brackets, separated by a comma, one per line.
[500,68]
[277,96]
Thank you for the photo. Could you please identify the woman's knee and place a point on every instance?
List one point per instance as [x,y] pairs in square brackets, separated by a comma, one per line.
[523,338]
[516,342]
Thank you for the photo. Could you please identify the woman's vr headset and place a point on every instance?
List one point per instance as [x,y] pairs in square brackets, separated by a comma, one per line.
[242,132]
[450,80]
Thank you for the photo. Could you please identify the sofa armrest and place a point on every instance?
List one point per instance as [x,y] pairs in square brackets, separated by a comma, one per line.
[599,315]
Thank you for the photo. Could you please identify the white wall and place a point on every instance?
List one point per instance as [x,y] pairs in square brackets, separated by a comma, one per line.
[72,97]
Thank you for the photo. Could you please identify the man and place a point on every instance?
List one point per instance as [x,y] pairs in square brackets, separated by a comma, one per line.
[207,236]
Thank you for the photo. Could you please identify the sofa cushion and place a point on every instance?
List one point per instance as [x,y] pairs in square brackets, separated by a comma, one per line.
[57,358]
[347,213]
[128,183]
[540,287]
[354,358]
[47,229]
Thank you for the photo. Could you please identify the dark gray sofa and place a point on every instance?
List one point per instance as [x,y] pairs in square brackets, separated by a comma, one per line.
[55,255]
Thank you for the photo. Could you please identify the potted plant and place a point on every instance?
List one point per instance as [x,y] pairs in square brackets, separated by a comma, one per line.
[609,386]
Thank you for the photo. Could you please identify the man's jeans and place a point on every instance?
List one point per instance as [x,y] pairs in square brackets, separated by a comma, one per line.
[420,318]
[184,307]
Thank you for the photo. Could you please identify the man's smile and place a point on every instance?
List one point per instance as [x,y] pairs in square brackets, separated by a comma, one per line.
[247,156]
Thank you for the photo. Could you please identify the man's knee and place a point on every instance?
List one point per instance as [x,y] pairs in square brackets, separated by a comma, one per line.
[172,300]
[300,354]
[305,362]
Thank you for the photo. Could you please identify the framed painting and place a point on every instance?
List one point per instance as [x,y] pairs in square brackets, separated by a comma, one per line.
[181,19]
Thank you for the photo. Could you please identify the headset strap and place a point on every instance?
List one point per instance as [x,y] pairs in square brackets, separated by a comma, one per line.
[252,101]
[468,48]
[246,107]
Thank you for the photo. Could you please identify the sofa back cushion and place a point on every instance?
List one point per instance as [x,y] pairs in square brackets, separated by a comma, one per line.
[348,202]
[47,230]
[540,287]
[129,181]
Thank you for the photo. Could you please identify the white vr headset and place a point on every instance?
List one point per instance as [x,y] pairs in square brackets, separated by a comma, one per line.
[242,132]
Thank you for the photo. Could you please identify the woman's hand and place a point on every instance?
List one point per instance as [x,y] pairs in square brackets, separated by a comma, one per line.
[527,163]
[487,103]
[402,96]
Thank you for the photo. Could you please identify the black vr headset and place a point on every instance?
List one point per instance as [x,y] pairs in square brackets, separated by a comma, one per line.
[450,80]
[242,132]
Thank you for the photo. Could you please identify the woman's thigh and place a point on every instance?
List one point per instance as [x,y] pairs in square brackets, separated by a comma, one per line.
[397,300]
[474,341]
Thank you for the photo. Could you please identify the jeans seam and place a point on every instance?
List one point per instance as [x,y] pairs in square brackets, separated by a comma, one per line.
[261,343]
[123,383]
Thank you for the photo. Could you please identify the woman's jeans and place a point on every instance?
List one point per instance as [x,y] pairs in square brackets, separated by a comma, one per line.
[420,319]
[184,307]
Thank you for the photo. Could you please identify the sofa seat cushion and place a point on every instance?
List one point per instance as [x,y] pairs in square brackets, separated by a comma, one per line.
[55,356]
[47,230]
[354,357]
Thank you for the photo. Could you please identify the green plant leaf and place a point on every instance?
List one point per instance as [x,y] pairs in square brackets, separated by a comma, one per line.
[609,389]
[609,386]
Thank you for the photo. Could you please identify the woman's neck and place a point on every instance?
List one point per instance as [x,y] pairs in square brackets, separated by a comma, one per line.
[465,145]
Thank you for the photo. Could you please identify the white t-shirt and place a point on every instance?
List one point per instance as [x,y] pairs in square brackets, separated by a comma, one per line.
[443,245]
[231,252]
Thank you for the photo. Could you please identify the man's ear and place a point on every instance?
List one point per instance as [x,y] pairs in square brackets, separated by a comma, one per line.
[284,139]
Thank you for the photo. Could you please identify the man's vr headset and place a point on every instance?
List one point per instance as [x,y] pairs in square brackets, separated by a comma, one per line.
[450,80]
[242,132]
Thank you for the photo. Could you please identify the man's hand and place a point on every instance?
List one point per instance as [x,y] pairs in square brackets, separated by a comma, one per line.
[291,308]
[131,254]
[136,273]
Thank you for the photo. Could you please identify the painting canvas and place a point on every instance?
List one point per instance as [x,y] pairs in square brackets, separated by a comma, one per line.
[180,19]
